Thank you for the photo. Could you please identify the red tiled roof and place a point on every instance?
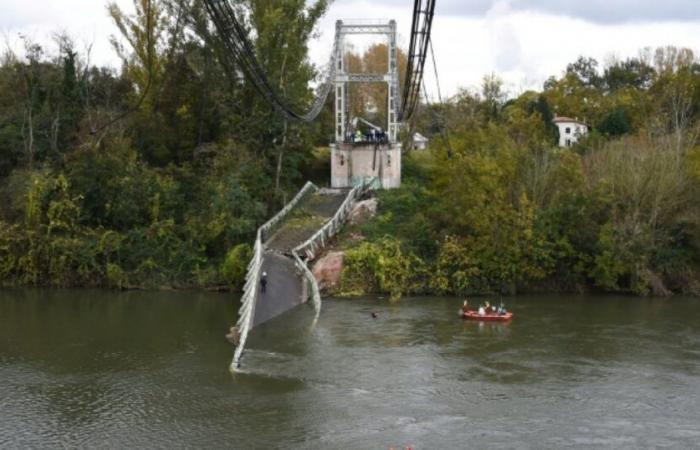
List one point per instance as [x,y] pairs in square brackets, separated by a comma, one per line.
[567,119]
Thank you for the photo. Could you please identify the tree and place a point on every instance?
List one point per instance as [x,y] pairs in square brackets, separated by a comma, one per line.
[144,62]
[369,100]
[616,123]
[586,71]
[493,96]
[283,31]
[632,73]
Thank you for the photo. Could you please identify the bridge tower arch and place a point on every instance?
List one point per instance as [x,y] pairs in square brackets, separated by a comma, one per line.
[377,159]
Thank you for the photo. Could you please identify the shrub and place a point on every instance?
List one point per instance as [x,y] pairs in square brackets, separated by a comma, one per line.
[235,266]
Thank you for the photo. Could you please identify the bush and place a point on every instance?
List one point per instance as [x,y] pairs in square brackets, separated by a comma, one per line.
[381,267]
[116,277]
[235,266]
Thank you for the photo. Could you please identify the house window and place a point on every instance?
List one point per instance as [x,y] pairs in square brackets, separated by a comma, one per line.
[568,130]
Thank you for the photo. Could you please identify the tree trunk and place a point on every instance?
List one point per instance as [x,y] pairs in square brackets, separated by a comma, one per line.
[285,128]
[29,140]
[280,156]
[55,128]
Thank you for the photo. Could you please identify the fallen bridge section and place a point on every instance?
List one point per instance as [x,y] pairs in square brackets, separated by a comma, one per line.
[304,221]
[284,289]
[282,247]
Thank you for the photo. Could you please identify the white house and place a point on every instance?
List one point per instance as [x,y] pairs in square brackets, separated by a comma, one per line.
[420,142]
[570,130]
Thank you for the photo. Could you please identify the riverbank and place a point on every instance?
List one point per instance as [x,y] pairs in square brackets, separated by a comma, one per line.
[428,239]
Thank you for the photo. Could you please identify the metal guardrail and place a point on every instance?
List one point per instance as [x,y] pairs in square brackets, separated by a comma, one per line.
[267,226]
[318,240]
[250,290]
[309,276]
[250,295]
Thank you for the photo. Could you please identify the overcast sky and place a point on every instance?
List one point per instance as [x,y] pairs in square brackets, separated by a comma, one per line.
[522,41]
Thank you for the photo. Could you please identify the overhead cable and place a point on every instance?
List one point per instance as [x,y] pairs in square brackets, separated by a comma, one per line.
[421,27]
[235,38]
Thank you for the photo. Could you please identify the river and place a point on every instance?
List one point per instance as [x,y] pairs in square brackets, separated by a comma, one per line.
[150,370]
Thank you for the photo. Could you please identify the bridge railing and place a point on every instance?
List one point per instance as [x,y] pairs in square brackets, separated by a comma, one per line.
[250,295]
[310,280]
[318,240]
[249,299]
[308,188]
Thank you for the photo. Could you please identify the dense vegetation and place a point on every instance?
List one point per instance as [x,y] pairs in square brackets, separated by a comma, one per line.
[500,208]
[149,176]
[159,173]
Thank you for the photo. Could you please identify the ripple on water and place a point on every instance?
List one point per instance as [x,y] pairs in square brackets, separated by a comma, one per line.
[565,373]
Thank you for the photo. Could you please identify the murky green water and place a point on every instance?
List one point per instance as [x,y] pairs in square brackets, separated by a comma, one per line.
[144,370]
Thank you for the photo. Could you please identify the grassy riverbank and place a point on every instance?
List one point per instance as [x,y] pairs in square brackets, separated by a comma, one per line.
[619,218]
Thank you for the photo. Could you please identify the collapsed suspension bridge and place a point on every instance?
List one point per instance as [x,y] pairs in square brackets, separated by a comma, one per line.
[282,247]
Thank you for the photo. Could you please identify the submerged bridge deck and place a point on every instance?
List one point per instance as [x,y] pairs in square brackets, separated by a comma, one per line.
[285,288]
[283,246]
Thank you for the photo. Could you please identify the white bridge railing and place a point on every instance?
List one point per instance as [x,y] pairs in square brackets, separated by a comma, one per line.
[318,240]
[251,288]
[308,249]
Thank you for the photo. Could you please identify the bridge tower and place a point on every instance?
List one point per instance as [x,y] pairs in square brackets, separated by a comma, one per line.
[354,161]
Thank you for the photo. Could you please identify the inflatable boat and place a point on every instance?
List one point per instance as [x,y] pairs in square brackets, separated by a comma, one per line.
[473,315]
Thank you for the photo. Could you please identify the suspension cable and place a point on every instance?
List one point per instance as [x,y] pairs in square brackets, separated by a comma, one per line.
[235,39]
[423,13]
[442,119]
[437,78]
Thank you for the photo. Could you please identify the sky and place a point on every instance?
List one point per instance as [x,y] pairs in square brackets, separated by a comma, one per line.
[524,42]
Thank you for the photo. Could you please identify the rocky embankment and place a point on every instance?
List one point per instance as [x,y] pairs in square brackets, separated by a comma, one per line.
[328,269]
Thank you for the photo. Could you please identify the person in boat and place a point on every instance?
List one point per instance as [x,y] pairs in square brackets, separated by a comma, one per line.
[502,310]
[465,307]
[482,310]
[488,309]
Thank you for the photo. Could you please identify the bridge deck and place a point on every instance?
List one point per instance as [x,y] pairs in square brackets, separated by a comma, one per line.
[285,288]
[303,222]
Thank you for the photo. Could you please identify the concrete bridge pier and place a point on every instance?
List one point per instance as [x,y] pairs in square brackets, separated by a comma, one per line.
[351,164]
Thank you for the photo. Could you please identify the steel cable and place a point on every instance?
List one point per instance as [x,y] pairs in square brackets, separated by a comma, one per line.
[418,49]
[236,40]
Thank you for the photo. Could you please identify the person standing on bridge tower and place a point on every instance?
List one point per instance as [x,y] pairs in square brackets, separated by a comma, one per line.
[263,282]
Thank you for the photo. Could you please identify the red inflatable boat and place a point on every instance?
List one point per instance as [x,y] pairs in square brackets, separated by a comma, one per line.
[473,315]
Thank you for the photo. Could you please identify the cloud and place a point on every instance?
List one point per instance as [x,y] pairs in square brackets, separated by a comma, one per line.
[504,40]
[597,11]
[86,21]
[507,48]
[522,41]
